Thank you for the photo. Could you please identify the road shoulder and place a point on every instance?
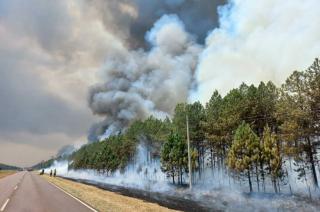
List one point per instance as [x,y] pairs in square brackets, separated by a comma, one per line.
[5,173]
[103,200]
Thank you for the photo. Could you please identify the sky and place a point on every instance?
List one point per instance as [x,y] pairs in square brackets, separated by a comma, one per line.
[76,71]
[51,53]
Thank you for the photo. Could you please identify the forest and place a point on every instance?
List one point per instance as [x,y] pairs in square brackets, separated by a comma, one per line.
[8,167]
[253,132]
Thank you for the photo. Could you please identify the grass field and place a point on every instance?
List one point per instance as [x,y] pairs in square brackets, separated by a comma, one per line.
[103,200]
[4,173]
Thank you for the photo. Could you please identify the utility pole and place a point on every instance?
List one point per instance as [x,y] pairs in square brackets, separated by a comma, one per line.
[189,154]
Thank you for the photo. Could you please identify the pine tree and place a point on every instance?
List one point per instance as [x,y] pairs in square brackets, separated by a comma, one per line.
[213,128]
[244,151]
[298,116]
[174,157]
[271,155]
[196,117]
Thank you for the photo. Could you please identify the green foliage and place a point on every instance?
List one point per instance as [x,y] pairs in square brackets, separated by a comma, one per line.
[105,156]
[272,156]
[196,115]
[196,119]
[174,157]
[254,105]
[8,167]
[244,151]
[152,128]
[46,164]
[271,153]
[298,115]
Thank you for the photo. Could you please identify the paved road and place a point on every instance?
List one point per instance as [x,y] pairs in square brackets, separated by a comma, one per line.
[27,191]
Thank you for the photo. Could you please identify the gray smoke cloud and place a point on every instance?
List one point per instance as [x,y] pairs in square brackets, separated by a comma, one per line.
[66,150]
[140,83]
[50,52]
[130,19]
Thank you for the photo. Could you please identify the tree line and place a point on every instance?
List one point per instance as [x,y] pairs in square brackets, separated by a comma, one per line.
[251,131]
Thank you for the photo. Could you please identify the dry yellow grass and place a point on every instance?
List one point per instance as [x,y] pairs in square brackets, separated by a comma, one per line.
[6,173]
[103,200]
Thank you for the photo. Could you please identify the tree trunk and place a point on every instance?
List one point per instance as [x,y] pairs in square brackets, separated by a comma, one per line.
[257,177]
[179,173]
[211,156]
[274,185]
[313,168]
[262,176]
[199,162]
[181,176]
[249,179]
[173,178]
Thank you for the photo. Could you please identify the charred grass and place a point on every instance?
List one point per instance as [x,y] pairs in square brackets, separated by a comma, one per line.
[103,200]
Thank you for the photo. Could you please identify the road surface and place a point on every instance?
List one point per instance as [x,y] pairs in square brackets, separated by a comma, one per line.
[26,191]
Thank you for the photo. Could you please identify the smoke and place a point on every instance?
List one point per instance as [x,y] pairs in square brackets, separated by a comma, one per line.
[255,41]
[140,83]
[66,150]
[215,190]
[130,19]
[258,41]
[142,173]
[49,52]
[56,46]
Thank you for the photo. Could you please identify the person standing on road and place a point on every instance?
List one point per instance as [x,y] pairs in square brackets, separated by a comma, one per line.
[54,173]
[51,173]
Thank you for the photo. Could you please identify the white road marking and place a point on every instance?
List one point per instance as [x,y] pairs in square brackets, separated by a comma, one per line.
[7,201]
[4,205]
[61,189]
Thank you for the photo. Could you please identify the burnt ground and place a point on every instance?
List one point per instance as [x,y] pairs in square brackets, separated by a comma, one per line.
[169,201]
[216,201]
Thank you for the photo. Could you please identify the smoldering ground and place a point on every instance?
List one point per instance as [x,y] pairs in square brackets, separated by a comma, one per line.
[214,190]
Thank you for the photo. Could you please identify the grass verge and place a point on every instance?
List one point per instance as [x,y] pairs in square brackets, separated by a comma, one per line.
[4,173]
[103,200]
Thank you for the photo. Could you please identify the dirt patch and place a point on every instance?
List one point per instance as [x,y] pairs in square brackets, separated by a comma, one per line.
[6,173]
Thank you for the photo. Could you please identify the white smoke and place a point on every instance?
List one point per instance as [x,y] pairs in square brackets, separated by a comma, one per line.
[142,173]
[140,83]
[215,190]
[258,41]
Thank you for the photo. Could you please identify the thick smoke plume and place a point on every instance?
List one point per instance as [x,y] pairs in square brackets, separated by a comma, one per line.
[130,19]
[258,41]
[140,83]
[66,150]
[255,41]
